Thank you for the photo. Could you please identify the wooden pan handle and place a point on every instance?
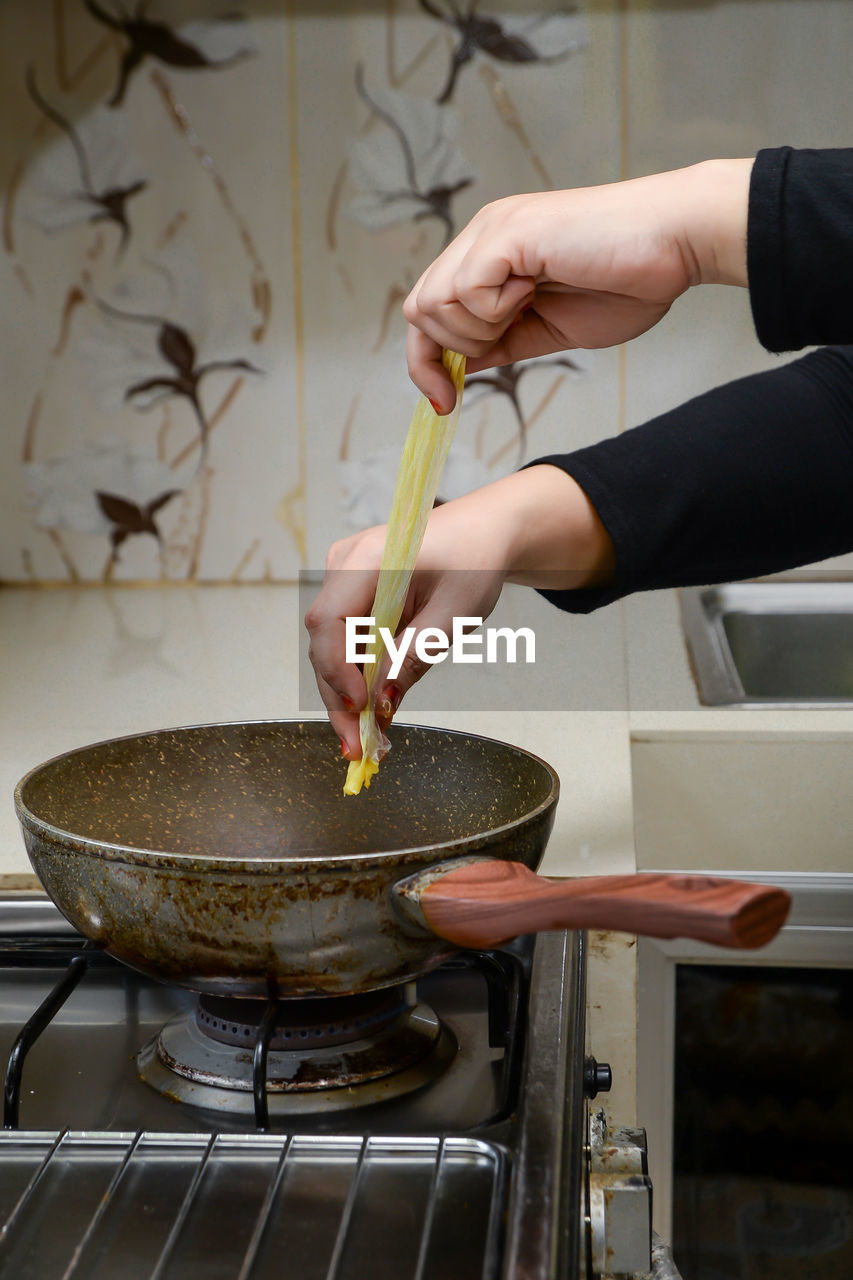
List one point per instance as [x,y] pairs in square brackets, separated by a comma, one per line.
[482,904]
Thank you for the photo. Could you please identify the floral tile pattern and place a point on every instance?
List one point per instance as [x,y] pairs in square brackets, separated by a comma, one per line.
[444,107]
[211,214]
[210,219]
[146,269]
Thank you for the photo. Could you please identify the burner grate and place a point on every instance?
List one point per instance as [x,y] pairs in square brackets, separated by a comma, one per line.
[409,1049]
[413,1049]
[33,1028]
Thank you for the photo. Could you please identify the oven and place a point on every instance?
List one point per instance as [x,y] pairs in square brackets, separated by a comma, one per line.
[746,1090]
[446,1129]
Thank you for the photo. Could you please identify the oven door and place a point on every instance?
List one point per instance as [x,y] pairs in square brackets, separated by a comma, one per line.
[742,1061]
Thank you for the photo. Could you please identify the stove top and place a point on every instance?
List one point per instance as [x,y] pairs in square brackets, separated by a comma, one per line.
[469,1168]
[96,1062]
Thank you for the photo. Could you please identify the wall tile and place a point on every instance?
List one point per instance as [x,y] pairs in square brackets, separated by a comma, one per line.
[508,128]
[113,325]
[306,449]
[724,79]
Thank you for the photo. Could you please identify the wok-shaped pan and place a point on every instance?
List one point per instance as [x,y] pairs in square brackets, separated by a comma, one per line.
[225,858]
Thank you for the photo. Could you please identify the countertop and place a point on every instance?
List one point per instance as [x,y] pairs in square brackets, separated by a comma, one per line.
[609,702]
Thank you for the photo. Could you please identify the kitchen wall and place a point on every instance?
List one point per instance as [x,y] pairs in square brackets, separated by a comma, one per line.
[209,224]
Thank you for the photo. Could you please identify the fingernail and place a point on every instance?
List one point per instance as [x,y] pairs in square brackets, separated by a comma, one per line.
[436,406]
[348,702]
[344,747]
[389,700]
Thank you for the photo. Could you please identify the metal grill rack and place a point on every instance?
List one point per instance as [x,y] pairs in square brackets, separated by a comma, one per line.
[152,1205]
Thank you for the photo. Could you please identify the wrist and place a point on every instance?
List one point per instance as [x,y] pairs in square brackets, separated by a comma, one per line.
[536,527]
[556,539]
[714,220]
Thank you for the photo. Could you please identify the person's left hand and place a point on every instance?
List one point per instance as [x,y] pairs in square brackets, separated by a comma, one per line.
[536,527]
[443,587]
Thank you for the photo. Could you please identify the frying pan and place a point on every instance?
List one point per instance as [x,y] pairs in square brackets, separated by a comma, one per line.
[225,858]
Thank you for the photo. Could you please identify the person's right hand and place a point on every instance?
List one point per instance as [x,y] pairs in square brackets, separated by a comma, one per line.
[591,267]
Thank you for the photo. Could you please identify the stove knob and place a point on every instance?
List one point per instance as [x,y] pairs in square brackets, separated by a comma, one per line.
[597,1078]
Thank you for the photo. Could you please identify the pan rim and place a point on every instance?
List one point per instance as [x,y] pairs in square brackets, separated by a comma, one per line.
[161,859]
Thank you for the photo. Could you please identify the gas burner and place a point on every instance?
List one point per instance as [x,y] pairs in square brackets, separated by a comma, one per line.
[302,1024]
[331,1053]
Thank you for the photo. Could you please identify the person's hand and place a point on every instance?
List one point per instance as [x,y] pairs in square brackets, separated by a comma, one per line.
[536,527]
[441,589]
[592,267]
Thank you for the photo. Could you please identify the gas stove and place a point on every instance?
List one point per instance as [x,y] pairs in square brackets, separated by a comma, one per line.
[439,1129]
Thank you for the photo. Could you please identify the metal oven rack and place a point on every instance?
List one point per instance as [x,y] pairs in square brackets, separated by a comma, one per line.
[163,1206]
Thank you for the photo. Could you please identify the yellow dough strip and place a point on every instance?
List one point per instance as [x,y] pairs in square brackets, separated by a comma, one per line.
[421,464]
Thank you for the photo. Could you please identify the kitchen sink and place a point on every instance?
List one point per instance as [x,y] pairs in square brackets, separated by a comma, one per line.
[771,643]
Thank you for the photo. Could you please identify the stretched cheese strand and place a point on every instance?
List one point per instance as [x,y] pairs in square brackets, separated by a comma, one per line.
[421,464]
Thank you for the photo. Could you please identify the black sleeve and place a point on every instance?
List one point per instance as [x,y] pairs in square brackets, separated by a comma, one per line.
[751,478]
[800,247]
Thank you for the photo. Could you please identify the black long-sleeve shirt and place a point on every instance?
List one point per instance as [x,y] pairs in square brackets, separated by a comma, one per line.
[755,476]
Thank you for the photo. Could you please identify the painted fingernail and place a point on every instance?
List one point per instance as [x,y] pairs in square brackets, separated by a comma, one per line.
[344,747]
[436,406]
[389,700]
[348,702]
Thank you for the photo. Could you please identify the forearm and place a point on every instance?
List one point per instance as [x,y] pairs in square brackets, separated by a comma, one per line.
[749,479]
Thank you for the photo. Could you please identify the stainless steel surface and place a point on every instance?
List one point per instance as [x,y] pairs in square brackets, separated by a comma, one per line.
[771,644]
[619,1199]
[225,857]
[545,1236]
[84,1069]
[29,914]
[343,1194]
[118,1206]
